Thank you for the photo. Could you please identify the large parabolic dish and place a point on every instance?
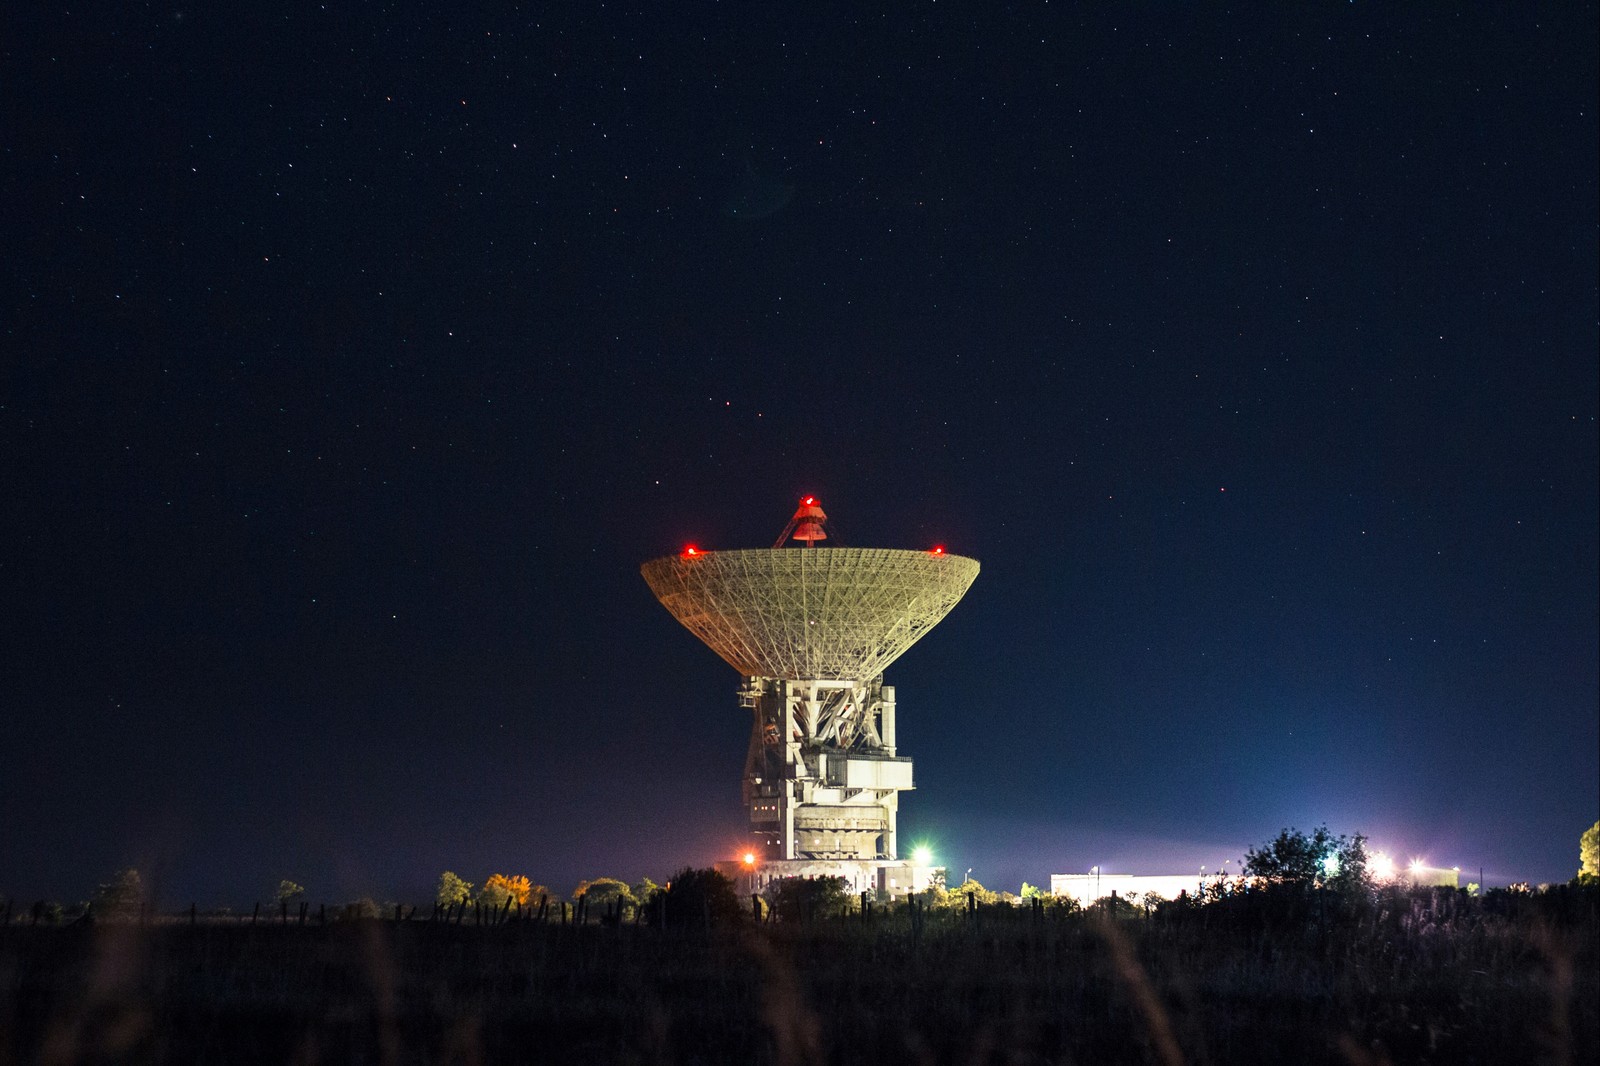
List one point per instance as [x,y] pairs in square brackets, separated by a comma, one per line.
[810,613]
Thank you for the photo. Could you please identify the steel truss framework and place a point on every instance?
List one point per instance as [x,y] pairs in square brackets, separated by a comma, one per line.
[810,613]
[822,780]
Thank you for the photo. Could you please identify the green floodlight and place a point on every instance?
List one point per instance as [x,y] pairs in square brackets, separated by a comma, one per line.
[922,855]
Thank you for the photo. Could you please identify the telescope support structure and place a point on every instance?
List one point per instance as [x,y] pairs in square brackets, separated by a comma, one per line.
[822,777]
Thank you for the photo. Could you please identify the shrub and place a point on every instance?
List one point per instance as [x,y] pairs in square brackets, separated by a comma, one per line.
[500,888]
[804,899]
[1589,855]
[604,892]
[357,910]
[452,890]
[956,898]
[695,899]
[121,897]
[1301,862]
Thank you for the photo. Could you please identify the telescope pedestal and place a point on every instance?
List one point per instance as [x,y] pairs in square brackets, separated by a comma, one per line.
[822,779]
[893,879]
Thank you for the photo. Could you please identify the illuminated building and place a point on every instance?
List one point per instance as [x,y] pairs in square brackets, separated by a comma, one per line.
[1097,884]
[811,629]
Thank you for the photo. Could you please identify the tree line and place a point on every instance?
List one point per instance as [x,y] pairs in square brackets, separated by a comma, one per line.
[1294,865]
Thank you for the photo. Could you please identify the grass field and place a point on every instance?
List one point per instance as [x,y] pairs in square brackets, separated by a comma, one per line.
[1426,977]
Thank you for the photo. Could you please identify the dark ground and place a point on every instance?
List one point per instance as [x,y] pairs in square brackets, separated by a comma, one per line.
[1432,979]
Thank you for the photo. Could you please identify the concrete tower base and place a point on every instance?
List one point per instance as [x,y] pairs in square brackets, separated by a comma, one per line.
[893,878]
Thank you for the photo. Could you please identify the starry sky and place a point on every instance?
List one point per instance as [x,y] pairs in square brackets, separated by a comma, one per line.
[357,355]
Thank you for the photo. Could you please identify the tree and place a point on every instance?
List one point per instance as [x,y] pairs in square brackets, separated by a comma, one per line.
[120,897]
[1063,905]
[363,909]
[1033,892]
[1320,860]
[696,899]
[1115,906]
[288,891]
[1152,902]
[605,892]
[1589,855]
[452,890]
[803,899]
[500,888]
[957,897]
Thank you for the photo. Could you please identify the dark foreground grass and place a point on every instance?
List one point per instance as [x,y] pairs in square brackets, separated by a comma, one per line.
[1414,982]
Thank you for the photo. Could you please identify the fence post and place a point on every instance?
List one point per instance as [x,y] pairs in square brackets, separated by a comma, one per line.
[255,913]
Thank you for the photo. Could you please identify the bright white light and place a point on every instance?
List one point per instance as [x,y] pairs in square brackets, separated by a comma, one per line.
[1382,866]
[1330,865]
[1416,865]
[922,856]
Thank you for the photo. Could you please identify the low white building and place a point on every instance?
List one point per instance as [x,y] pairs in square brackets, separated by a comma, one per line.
[1086,888]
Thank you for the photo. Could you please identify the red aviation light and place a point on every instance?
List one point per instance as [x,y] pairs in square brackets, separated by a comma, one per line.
[690,549]
[807,522]
[938,549]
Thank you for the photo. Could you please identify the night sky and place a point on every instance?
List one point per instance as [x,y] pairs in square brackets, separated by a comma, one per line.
[355,357]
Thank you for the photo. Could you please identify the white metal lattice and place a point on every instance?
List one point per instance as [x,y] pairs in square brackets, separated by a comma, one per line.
[810,613]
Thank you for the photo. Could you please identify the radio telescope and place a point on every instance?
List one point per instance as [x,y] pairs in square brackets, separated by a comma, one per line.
[812,629]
